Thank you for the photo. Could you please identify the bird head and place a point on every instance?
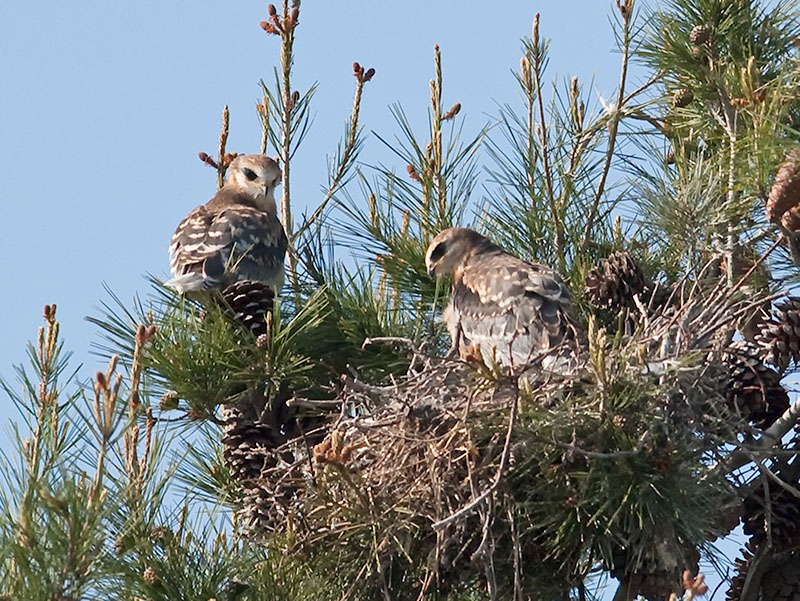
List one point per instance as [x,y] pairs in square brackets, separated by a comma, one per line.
[257,176]
[450,249]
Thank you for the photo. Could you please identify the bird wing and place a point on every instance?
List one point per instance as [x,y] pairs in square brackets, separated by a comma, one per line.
[239,240]
[512,310]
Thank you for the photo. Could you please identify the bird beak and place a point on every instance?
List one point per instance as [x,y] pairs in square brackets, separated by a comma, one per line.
[431,270]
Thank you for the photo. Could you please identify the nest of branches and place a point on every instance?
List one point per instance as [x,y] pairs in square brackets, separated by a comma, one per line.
[460,475]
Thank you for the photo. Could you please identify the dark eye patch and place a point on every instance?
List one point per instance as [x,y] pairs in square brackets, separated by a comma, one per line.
[438,252]
[249,174]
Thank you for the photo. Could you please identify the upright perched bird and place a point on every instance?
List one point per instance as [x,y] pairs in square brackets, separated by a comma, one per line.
[236,235]
[503,309]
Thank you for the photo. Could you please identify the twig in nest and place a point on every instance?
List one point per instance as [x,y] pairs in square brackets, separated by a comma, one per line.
[390,340]
[295,402]
[374,392]
[469,507]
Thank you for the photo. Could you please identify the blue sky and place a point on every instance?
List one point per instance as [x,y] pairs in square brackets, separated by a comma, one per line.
[105,105]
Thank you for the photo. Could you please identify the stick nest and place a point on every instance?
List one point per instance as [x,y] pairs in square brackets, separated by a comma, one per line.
[457,475]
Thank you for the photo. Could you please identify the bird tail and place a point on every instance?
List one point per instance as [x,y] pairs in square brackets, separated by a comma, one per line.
[191,282]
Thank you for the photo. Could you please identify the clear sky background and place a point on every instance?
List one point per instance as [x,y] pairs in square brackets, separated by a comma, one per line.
[104,106]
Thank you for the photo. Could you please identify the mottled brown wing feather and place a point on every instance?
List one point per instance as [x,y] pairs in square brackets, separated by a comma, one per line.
[237,240]
[512,310]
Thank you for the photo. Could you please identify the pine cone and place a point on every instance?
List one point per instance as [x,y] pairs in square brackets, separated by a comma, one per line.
[613,284]
[682,97]
[254,427]
[754,390]
[250,302]
[248,448]
[267,504]
[779,338]
[784,514]
[785,193]
[781,581]
[741,566]
[700,34]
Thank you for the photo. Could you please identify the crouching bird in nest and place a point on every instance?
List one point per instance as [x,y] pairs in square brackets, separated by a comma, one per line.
[503,310]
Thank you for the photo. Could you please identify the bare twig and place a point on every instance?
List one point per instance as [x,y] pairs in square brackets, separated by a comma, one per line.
[613,126]
[223,141]
[347,154]
[536,62]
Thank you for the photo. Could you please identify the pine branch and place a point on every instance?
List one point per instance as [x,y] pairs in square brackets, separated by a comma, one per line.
[535,56]
[346,154]
[625,8]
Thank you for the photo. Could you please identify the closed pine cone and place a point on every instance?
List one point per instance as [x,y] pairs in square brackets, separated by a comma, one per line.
[699,34]
[785,193]
[779,338]
[251,302]
[614,283]
[784,508]
[754,390]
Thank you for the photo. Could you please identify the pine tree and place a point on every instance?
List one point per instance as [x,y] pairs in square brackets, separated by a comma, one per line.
[321,444]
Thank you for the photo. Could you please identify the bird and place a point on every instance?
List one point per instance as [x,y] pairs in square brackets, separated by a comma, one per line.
[236,236]
[503,310]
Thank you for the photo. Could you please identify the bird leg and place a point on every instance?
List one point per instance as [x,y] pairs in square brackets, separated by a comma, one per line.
[454,352]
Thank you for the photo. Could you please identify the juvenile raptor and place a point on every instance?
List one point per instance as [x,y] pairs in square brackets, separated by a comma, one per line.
[236,235]
[502,309]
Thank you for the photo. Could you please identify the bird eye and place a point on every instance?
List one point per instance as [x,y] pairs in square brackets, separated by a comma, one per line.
[249,174]
[438,252]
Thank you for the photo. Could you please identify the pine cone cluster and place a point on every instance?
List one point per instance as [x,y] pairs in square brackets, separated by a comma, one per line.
[784,197]
[255,428]
[779,338]
[682,97]
[699,34]
[251,302]
[614,283]
[754,390]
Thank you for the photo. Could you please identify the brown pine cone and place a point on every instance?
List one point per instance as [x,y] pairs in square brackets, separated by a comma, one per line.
[700,34]
[741,566]
[614,283]
[779,337]
[785,193]
[782,509]
[779,580]
[682,97]
[754,390]
[251,303]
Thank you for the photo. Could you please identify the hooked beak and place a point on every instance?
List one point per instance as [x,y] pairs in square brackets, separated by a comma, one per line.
[431,270]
